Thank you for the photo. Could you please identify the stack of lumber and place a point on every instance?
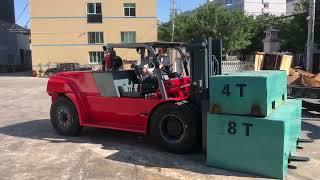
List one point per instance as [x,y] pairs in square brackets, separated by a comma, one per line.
[300,77]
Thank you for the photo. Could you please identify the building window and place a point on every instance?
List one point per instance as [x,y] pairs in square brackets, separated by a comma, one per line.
[95,38]
[96,57]
[229,2]
[94,13]
[128,37]
[11,59]
[129,9]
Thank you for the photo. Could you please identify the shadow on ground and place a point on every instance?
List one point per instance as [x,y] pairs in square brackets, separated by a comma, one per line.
[313,131]
[310,115]
[132,148]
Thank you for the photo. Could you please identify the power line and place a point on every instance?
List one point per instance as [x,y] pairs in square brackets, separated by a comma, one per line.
[280,17]
[20,15]
[26,23]
[270,19]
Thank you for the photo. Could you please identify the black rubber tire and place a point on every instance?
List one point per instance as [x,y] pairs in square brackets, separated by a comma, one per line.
[74,126]
[185,113]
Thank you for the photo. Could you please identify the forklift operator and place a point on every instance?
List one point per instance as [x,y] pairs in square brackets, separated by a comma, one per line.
[162,60]
[111,61]
[148,69]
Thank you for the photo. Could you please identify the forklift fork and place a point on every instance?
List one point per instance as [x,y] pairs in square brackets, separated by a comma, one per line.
[300,140]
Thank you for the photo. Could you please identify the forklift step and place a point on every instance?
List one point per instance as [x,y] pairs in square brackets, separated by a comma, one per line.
[305,140]
[298,159]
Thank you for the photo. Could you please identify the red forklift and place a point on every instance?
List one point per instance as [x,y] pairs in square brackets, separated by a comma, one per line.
[169,107]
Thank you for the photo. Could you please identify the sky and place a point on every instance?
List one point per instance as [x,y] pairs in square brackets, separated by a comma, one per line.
[163,9]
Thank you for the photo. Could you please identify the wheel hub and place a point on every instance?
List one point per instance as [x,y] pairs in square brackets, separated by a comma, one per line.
[64,117]
[172,129]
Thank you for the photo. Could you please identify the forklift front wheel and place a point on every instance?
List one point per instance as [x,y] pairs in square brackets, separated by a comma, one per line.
[174,128]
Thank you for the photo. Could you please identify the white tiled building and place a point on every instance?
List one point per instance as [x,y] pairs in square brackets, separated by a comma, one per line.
[291,4]
[255,7]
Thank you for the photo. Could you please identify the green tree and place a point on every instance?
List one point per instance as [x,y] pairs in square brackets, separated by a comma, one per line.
[233,27]
[295,33]
[241,32]
[260,25]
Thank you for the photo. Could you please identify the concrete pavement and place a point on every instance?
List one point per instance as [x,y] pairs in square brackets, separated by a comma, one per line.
[30,149]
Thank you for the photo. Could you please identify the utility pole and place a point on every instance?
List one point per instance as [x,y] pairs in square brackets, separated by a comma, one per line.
[173,18]
[208,5]
[310,43]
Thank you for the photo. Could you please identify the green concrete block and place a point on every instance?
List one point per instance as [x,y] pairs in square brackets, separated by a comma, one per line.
[296,105]
[299,116]
[291,109]
[298,122]
[255,93]
[251,144]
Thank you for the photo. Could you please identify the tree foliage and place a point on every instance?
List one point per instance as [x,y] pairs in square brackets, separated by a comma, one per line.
[240,32]
[260,25]
[233,27]
[295,33]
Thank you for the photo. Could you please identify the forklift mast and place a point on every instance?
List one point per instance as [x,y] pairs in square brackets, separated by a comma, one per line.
[205,61]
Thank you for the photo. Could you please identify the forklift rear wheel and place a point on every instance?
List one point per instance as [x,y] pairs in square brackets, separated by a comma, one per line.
[64,117]
[174,128]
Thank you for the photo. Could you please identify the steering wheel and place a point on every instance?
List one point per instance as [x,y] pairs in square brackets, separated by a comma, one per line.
[166,69]
[138,71]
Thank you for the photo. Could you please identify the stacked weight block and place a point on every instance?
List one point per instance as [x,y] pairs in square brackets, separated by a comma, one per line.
[253,130]
[255,93]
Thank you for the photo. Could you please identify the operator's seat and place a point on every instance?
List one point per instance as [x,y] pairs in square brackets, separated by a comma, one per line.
[125,82]
[149,83]
[122,93]
[116,63]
